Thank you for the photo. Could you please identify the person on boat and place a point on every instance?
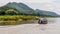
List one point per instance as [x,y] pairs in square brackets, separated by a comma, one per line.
[42,20]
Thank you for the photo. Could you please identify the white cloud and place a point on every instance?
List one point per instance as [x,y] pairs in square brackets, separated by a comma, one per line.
[41,1]
[51,5]
[2,2]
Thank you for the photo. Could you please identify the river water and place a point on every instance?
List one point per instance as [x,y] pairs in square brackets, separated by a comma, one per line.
[50,21]
[53,27]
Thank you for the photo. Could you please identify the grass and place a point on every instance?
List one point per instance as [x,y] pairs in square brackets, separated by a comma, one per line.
[15,19]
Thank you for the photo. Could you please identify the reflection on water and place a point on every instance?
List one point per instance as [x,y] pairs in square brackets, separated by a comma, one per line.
[53,24]
[53,27]
[50,20]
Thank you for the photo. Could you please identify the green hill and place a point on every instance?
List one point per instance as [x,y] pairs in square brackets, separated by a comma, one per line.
[14,8]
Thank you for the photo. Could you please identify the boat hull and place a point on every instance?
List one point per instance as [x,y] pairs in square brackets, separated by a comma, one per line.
[45,22]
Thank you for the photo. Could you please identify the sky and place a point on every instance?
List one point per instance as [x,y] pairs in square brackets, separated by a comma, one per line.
[48,5]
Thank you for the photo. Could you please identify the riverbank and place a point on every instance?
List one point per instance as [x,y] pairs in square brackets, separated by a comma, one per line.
[17,19]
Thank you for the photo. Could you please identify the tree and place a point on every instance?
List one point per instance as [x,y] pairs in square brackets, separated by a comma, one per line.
[11,12]
[2,12]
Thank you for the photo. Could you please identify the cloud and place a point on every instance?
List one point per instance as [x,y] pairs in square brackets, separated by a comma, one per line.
[40,1]
[50,6]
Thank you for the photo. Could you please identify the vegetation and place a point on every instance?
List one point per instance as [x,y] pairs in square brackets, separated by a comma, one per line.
[5,10]
[12,16]
[15,19]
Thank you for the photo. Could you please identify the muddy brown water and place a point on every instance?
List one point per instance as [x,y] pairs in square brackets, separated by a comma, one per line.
[53,27]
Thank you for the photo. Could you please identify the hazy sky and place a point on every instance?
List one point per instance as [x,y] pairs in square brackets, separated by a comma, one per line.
[51,5]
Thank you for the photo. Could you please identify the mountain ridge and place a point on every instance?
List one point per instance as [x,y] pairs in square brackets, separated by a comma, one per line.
[23,8]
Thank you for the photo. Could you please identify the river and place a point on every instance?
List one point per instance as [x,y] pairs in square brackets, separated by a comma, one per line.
[53,27]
